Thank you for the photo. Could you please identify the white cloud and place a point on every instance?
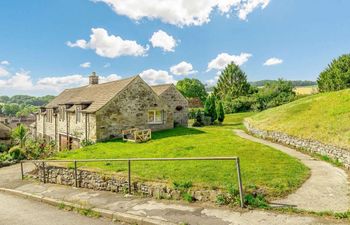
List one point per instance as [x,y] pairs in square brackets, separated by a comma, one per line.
[106,65]
[223,59]
[273,61]
[85,65]
[19,81]
[153,77]
[245,7]
[183,12]
[5,62]
[110,46]
[3,72]
[183,68]
[163,40]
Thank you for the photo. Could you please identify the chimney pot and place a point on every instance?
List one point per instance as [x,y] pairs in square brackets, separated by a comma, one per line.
[93,78]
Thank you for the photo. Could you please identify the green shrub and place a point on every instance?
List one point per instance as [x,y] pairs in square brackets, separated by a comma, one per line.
[240,104]
[187,197]
[3,147]
[336,76]
[182,185]
[86,142]
[255,200]
[17,153]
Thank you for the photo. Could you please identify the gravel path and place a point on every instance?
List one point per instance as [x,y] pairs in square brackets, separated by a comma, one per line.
[327,189]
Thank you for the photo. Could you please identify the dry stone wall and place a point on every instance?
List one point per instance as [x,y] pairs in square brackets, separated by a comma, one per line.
[333,152]
[97,181]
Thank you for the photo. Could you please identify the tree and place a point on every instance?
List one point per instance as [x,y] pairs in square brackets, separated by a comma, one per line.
[210,108]
[192,88]
[19,134]
[220,111]
[336,76]
[232,83]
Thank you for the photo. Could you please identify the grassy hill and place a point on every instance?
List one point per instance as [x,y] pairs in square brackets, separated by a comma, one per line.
[324,117]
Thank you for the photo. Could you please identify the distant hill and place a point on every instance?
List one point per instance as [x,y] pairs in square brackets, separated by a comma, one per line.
[322,117]
[296,83]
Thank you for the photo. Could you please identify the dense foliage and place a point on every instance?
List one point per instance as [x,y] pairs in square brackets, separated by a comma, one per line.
[295,83]
[192,88]
[237,95]
[336,76]
[22,105]
[210,108]
[232,83]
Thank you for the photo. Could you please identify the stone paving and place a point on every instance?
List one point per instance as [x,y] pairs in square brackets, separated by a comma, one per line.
[165,212]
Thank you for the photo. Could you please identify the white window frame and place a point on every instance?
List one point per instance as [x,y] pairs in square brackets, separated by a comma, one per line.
[154,111]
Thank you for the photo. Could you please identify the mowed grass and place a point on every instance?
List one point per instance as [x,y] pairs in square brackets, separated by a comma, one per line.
[323,117]
[262,167]
[306,90]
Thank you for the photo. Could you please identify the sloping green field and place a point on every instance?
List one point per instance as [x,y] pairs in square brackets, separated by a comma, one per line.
[323,117]
[262,166]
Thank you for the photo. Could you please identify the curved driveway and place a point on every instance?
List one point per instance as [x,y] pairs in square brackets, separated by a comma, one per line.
[327,189]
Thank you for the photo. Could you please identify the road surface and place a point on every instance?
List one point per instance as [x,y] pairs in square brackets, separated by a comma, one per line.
[19,211]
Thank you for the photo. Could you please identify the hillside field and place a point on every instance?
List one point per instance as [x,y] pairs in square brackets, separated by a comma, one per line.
[323,117]
[264,167]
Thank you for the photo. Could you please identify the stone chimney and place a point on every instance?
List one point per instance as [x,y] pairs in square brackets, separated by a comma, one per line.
[93,78]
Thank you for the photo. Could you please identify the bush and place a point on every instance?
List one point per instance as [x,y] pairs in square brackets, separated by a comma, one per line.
[210,108]
[17,153]
[3,147]
[220,111]
[336,76]
[193,112]
[87,142]
[240,104]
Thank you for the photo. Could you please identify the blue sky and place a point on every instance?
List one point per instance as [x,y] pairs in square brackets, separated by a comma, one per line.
[40,52]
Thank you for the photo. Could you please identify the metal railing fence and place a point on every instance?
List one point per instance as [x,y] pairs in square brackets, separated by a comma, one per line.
[129,160]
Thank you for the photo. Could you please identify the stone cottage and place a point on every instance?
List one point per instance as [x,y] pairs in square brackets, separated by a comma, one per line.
[175,100]
[99,112]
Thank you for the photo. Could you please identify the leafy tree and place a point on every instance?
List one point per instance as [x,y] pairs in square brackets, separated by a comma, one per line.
[220,111]
[192,88]
[210,108]
[336,76]
[232,83]
[19,134]
[10,109]
[274,94]
[4,99]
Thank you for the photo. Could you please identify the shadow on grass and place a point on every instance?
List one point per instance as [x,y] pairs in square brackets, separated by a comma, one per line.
[178,131]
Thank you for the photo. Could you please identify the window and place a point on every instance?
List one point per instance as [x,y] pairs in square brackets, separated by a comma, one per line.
[62,113]
[78,114]
[49,115]
[155,116]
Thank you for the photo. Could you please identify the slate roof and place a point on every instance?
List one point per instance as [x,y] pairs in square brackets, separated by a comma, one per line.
[98,94]
[159,89]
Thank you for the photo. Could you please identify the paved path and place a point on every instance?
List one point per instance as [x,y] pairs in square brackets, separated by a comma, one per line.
[327,189]
[168,211]
[19,211]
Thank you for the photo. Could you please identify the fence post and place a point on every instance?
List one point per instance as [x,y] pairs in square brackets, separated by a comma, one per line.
[239,182]
[44,173]
[22,173]
[75,173]
[129,177]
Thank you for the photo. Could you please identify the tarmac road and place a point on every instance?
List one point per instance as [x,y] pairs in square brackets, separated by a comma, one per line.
[18,211]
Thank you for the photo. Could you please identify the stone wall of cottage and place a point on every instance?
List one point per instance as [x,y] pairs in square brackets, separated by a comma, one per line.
[178,103]
[129,109]
[101,182]
[333,152]
[81,130]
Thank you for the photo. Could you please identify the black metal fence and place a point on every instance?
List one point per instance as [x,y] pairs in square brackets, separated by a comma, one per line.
[129,160]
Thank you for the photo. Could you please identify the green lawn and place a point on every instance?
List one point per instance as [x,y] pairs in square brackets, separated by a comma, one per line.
[323,117]
[262,166]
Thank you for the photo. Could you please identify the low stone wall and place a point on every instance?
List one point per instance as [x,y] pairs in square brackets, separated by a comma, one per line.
[336,153]
[98,181]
